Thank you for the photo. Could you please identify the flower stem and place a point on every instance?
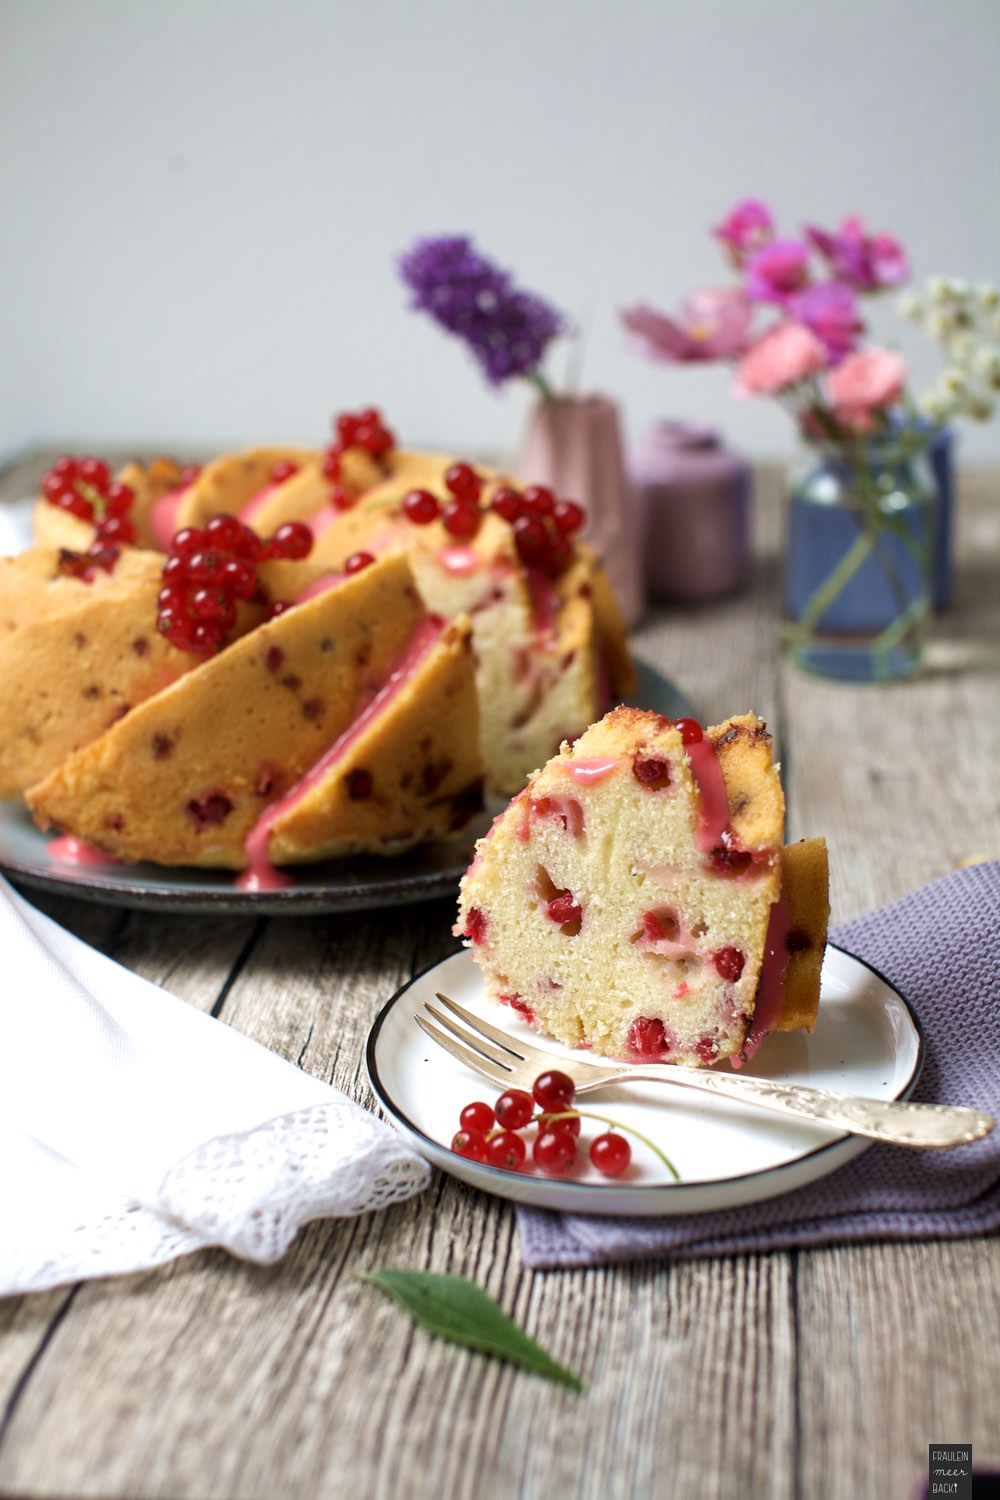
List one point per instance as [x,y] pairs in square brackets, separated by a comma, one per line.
[538,380]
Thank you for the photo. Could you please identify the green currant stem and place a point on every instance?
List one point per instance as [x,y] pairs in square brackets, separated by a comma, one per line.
[538,380]
[585,1114]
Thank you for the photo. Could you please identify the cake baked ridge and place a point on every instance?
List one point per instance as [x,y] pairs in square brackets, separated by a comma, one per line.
[636,898]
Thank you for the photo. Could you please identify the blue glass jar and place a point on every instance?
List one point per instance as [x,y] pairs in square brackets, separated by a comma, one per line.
[858,565]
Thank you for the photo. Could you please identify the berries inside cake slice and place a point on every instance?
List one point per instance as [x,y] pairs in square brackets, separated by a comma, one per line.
[630,899]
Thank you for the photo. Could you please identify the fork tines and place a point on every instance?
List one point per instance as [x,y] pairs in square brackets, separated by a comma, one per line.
[479,1062]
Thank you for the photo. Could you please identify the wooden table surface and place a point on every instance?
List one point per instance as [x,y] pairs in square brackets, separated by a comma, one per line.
[815,1373]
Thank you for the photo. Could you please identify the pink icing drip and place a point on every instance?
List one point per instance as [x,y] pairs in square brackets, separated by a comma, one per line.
[256,503]
[68,850]
[459,560]
[713,817]
[771,985]
[163,517]
[586,772]
[544,601]
[261,875]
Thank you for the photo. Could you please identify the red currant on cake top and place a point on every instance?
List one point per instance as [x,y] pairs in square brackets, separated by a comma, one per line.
[421,507]
[357,561]
[462,481]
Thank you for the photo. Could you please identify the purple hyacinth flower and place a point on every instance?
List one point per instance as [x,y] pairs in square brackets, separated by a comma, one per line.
[507,330]
[777,272]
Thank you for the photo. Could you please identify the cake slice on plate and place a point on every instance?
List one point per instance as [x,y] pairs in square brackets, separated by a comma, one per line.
[635,898]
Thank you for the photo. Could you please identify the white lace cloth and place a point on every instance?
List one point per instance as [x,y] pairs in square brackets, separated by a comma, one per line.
[134,1129]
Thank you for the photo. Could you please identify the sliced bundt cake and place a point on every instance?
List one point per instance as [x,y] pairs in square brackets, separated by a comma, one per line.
[630,898]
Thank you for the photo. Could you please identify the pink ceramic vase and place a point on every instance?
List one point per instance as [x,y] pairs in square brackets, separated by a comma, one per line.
[573,444]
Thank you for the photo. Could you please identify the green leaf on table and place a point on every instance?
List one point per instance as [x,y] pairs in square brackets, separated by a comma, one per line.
[456,1309]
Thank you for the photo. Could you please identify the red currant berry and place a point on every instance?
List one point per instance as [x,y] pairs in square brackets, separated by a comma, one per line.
[554,1150]
[188,541]
[282,470]
[66,466]
[116,529]
[690,731]
[568,516]
[94,471]
[539,500]
[471,1144]
[293,540]
[172,596]
[462,481]
[224,532]
[357,561]
[647,1037]
[118,500]
[54,485]
[554,1091]
[177,626]
[347,426]
[514,1109]
[729,963]
[175,570]
[331,464]
[506,1150]
[477,1116]
[460,519]
[248,544]
[213,605]
[204,566]
[78,505]
[560,553]
[610,1154]
[342,498]
[531,540]
[421,507]
[189,474]
[205,638]
[508,503]
[239,577]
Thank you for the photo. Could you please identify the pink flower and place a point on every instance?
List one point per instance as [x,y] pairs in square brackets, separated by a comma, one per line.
[785,355]
[866,262]
[828,310]
[746,228]
[865,382]
[778,271]
[712,324]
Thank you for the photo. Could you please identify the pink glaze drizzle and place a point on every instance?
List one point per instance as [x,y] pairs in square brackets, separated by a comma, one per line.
[771,984]
[68,850]
[586,772]
[713,816]
[163,516]
[461,561]
[261,875]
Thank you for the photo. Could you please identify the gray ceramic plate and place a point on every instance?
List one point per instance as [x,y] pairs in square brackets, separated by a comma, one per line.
[343,885]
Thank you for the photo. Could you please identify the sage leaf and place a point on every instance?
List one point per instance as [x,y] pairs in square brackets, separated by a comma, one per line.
[456,1309]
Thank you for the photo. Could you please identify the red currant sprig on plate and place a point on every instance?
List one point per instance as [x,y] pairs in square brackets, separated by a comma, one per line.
[541,524]
[84,487]
[365,430]
[492,1133]
[209,570]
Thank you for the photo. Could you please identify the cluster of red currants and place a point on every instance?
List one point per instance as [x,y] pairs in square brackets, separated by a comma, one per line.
[209,570]
[541,524]
[85,488]
[492,1133]
[364,430]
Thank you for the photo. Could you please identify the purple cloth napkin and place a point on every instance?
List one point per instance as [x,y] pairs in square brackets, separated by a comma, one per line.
[940,947]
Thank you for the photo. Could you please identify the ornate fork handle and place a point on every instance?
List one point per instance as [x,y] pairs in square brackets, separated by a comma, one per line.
[898,1122]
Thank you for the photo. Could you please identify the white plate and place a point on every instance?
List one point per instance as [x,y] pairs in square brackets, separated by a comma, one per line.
[867,1041]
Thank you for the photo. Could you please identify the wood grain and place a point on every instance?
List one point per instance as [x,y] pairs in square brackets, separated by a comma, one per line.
[816,1374]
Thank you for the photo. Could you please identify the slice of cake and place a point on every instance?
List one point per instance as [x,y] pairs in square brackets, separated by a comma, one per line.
[187,775]
[635,897]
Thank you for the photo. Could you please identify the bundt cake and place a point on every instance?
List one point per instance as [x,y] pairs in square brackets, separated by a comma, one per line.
[346,722]
[635,898]
[549,641]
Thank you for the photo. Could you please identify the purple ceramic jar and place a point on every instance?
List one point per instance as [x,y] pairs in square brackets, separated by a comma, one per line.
[694,502]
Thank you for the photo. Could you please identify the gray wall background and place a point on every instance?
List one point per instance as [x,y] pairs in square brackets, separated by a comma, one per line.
[203,200]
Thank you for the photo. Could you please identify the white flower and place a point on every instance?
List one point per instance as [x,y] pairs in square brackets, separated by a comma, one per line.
[936,288]
[962,348]
[980,406]
[989,296]
[910,308]
[954,382]
[935,405]
[986,364]
[939,325]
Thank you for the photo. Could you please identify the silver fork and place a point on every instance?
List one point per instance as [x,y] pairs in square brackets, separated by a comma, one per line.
[511,1063]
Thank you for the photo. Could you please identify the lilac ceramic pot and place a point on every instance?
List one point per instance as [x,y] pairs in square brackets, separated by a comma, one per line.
[694,501]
